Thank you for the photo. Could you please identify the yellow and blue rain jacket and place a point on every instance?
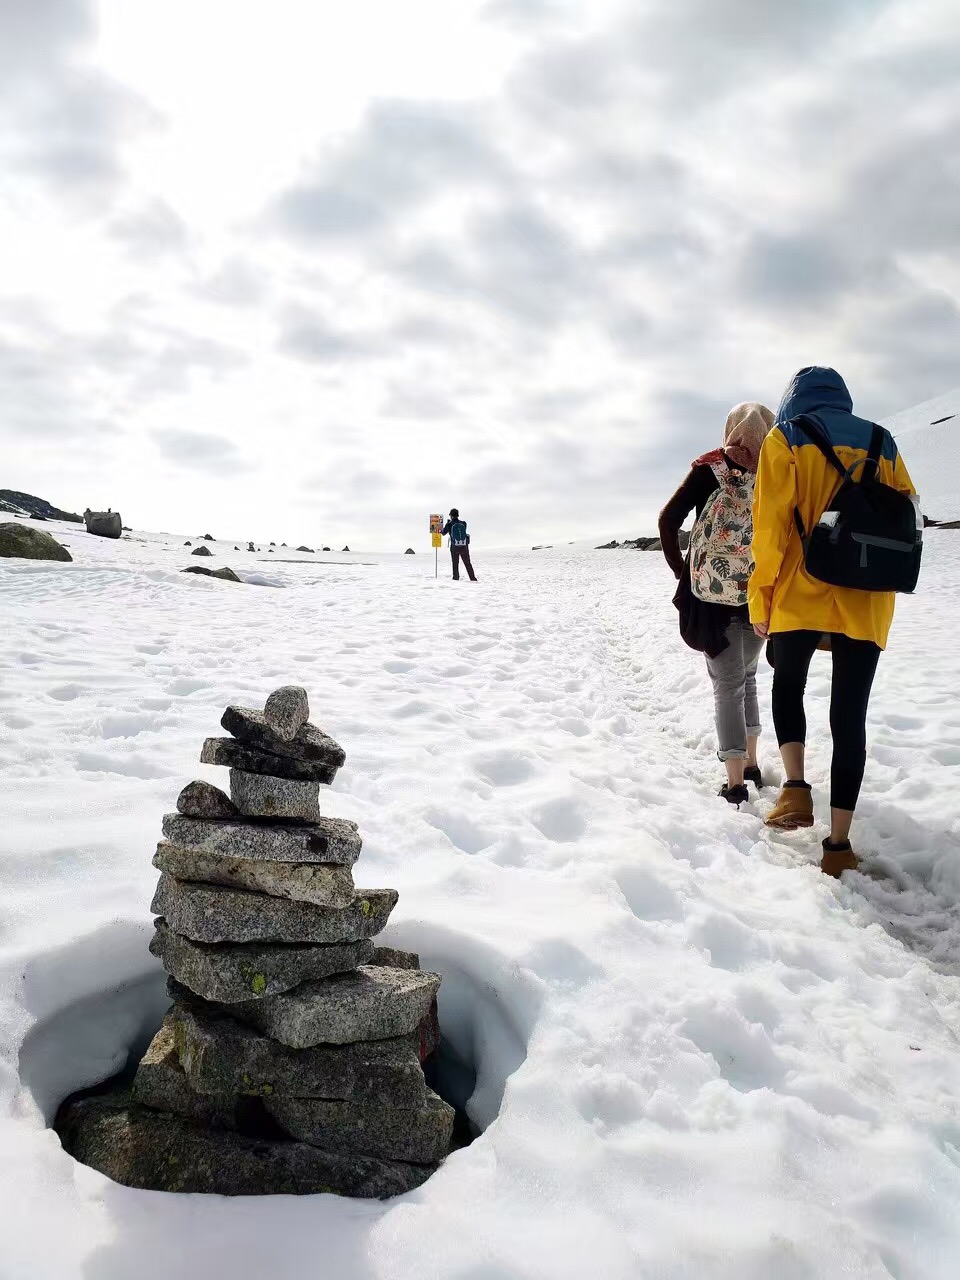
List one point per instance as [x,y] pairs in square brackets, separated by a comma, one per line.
[793,473]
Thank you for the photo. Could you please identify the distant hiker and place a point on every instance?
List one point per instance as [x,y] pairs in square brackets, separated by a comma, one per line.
[459,544]
[712,595]
[815,440]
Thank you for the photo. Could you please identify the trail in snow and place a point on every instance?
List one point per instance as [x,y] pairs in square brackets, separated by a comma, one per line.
[695,1055]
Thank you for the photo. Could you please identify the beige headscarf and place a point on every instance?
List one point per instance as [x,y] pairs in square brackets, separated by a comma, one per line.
[745,431]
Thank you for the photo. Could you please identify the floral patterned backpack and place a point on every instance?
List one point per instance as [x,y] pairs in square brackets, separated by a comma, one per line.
[720,559]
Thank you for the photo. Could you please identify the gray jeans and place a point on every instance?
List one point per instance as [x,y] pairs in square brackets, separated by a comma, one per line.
[734,676]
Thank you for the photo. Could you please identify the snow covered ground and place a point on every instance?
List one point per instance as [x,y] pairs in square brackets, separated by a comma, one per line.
[697,1057]
[929,439]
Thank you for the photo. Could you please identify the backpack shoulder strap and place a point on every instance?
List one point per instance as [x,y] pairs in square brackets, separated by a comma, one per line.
[815,434]
[876,447]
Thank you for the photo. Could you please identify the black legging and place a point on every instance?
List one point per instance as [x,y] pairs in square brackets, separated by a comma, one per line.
[854,666]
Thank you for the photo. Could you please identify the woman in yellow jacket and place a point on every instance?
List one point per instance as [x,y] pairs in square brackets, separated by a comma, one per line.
[798,611]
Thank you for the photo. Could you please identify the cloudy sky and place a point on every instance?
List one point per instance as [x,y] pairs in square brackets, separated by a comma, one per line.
[310,271]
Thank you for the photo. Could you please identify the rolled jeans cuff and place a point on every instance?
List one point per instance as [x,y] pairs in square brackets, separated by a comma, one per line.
[754,730]
[735,753]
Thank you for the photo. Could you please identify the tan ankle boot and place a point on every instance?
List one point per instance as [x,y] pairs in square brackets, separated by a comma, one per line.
[838,858]
[794,808]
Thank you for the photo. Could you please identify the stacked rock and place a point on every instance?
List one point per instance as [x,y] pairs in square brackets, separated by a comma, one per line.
[292,1058]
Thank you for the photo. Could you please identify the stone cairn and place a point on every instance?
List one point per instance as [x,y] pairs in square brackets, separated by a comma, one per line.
[291,1061]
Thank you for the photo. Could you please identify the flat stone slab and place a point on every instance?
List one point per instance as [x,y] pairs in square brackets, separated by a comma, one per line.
[236,755]
[160,1152]
[309,743]
[231,973]
[394,958]
[421,1137]
[161,1083]
[329,840]
[286,711]
[202,800]
[209,913]
[371,1003]
[257,795]
[220,1055]
[313,882]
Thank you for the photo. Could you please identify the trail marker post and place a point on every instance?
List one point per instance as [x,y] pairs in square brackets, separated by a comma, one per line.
[436,524]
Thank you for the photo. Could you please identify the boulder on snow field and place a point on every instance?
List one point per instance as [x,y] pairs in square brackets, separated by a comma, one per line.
[162,1084]
[21,542]
[608,546]
[273,544]
[236,548]
[251,547]
[220,1055]
[204,800]
[270,551]
[309,743]
[346,548]
[211,913]
[236,755]
[286,711]
[188,543]
[201,551]
[322,884]
[155,1151]
[105,524]
[369,1003]
[283,544]
[225,574]
[308,550]
[421,1137]
[258,795]
[326,548]
[233,973]
[208,537]
[409,552]
[331,840]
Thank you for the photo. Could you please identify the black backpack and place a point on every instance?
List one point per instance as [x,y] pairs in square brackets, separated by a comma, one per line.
[868,538]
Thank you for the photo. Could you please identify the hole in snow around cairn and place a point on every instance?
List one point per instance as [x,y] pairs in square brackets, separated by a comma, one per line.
[94,1044]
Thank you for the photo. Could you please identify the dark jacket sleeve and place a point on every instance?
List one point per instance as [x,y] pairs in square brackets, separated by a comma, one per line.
[691,496]
[445,530]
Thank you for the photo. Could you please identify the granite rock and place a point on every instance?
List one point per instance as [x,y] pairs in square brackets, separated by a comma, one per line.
[162,1084]
[203,800]
[371,1003]
[21,542]
[232,973]
[210,913]
[156,1151]
[309,743]
[227,575]
[331,840]
[233,754]
[391,958]
[314,882]
[286,711]
[220,1055]
[421,1137]
[257,795]
[201,551]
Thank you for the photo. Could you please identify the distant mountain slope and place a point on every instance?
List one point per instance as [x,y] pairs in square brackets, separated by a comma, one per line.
[929,438]
[25,504]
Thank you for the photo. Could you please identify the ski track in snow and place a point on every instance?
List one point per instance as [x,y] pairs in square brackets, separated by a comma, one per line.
[697,1057]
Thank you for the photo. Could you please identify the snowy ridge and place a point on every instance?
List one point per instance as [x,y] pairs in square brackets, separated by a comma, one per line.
[929,439]
[697,1058]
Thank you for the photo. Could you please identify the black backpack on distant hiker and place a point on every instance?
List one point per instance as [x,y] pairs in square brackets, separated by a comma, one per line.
[458,533]
[869,537]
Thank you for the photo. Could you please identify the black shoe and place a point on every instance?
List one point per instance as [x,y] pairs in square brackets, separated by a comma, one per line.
[734,795]
[752,774]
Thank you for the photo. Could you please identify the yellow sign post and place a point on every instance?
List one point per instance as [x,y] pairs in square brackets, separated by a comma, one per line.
[436,537]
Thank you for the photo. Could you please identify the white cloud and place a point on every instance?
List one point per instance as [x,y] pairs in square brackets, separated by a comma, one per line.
[518,255]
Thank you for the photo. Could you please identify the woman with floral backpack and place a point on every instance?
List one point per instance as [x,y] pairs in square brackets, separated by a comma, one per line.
[712,595]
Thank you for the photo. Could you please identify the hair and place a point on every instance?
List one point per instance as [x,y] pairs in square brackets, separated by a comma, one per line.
[454,513]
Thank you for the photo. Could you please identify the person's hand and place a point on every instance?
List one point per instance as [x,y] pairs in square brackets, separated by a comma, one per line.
[762,629]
